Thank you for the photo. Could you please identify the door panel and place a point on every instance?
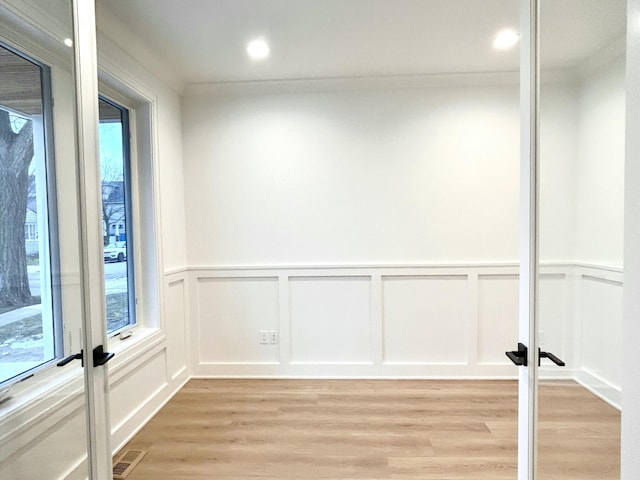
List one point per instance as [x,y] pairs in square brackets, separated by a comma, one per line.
[580,231]
[46,263]
[529,124]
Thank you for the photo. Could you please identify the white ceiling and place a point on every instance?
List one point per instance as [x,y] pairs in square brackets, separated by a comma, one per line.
[205,40]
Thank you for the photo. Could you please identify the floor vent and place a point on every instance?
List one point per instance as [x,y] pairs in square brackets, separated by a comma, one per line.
[126,462]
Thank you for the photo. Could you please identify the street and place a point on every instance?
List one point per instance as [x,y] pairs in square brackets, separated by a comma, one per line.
[115,275]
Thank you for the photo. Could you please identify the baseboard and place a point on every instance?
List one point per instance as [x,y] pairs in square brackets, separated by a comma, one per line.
[600,388]
[355,371]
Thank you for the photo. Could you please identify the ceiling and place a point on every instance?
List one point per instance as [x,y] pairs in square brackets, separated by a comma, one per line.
[20,88]
[205,40]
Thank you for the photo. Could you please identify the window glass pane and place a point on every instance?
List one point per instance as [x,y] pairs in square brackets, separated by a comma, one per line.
[118,245]
[29,332]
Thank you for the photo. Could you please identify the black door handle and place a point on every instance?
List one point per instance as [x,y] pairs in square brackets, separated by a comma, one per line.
[518,357]
[100,357]
[69,359]
[551,357]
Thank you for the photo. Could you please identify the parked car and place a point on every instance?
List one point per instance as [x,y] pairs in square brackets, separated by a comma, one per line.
[115,252]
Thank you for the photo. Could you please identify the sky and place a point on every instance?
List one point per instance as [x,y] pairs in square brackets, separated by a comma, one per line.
[111,154]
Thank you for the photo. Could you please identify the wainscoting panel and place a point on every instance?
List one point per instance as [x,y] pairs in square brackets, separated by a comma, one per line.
[601,336]
[497,318]
[352,321]
[176,308]
[231,313]
[395,321]
[145,374]
[426,319]
[132,392]
[330,320]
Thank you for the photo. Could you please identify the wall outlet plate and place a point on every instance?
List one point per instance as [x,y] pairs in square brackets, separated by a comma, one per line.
[273,337]
[264,337]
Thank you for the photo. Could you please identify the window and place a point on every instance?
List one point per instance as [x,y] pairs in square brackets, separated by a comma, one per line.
[115,168]
[30,325]
[30,232]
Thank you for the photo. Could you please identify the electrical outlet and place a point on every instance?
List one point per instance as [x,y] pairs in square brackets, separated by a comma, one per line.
[273,337]
[264,337]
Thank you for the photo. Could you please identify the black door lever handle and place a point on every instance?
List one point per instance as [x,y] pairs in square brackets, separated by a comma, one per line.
[69,359]
[551,357]
[518,357]
[100,357]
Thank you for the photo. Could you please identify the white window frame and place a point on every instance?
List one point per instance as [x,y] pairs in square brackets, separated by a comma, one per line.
[131,213]
[46,228]
[145,212]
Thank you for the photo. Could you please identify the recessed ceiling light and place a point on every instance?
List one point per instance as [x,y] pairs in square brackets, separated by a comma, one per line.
[68,42]
[506,39]
[258,49]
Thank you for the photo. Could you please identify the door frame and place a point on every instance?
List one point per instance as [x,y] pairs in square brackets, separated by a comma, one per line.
[529,223]
[92,271]
[630,460]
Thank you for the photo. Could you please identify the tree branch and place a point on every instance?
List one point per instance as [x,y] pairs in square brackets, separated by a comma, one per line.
[23,147]
[6,133]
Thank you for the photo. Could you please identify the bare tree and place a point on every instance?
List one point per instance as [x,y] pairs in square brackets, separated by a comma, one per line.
[16,153]
[112,197]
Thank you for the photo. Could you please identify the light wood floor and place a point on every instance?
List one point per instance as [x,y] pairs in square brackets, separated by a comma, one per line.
[372,430]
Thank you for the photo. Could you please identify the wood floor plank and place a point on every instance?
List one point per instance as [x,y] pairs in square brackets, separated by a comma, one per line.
[372,430]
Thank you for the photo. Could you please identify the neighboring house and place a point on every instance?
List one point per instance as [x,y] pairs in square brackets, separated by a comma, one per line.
[113,213]
[31,231]
[31,220]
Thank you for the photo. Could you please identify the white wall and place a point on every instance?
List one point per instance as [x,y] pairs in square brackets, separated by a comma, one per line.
[558,163]
[600,171]
[353,177]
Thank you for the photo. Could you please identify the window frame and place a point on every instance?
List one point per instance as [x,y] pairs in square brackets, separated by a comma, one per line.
[50,258]
[131,224]
[117,85]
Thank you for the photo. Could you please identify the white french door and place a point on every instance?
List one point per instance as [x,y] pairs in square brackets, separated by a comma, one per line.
[570,322]
[54,407]
[529,174]
[91,240]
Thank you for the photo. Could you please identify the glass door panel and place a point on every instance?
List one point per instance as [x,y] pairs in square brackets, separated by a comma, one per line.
[44,324]
[580,232]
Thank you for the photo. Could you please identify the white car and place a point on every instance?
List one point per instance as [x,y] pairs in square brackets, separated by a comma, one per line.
[115,252]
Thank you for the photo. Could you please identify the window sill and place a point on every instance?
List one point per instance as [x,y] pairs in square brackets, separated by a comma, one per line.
[139,337]
[127,351]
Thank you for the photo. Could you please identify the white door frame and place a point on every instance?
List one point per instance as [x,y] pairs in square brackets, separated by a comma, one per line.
[630,461]
[529,176]
[92,268]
